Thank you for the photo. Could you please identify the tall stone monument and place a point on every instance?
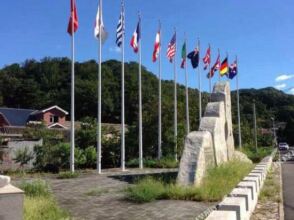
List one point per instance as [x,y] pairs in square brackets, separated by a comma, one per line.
[213,144]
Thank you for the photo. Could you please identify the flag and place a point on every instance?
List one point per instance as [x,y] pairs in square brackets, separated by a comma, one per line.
[233,70]
[136,38]
[73,18]
[184,54]
[99,21]
[156,47]
[171,49]
[120,28]
[206,59]
[194,57]
[214,68]
[224,68]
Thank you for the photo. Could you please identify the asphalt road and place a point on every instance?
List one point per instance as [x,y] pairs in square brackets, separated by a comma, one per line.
[288,186]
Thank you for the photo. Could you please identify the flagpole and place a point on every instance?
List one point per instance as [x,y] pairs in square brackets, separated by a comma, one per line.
[238,106]
[209,74]
[140,102]
[159,96]
[187,93]
[99,95]
[199,87]
[219,67]
[72,108]
[123,92]
[175,106]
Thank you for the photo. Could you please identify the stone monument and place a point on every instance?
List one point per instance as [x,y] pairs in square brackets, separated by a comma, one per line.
[11,200]
[213,144]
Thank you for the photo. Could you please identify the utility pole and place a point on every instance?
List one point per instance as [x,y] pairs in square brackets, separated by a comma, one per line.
[274,132]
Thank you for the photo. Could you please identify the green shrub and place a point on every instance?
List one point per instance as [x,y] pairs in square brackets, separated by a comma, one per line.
[67,175]
[36,188]
[256,155]
[146,190]
[164,162]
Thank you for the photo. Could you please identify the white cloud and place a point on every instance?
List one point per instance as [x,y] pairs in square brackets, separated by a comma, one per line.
[284,77]
[114,49]
[281,86]
[291,91]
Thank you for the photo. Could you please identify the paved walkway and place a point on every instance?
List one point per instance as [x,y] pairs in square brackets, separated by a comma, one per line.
[288,189]
[93,196]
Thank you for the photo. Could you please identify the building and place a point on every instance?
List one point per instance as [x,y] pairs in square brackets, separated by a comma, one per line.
[52,117]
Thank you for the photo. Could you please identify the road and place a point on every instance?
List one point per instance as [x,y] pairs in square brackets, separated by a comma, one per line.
[288,186]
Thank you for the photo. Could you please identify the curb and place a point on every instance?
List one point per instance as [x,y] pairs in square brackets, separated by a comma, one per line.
[241,202]
[281,204]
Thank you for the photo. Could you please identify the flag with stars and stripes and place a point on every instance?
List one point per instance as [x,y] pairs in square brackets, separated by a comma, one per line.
[120,28]
[171,50]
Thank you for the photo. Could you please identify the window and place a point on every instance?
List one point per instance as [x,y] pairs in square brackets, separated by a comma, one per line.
[53,119]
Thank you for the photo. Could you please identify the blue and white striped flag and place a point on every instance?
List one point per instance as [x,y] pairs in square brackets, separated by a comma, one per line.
[120,27]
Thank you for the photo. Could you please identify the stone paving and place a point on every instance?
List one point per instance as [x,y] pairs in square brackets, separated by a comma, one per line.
[109,202]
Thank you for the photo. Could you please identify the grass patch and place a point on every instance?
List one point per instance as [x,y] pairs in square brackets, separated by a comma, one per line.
[39,202]
[164,162]
[67,175]
[256,156]
[96,192]
[216,184]
[271,188]
[45,208]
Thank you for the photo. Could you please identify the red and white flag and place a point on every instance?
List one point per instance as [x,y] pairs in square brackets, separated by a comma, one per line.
[136,38]
[156,47]
[215,67]
[73,23]
[171,49]
[98,22]
[206,59]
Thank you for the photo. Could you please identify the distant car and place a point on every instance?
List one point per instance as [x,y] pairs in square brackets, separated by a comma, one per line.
[283,146]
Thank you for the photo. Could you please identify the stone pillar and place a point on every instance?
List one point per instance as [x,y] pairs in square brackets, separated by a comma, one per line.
[222,92]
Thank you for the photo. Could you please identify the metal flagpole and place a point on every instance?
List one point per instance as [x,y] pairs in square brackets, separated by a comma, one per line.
[123,91]
[140,101]
[255,127]
[199,87]
[72,109]
[159,96]
[99,94]
[187,93]
[209,73]
[238,105]
[175,106]
[220,62]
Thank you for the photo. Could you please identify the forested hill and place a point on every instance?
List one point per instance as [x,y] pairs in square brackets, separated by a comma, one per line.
[39,84]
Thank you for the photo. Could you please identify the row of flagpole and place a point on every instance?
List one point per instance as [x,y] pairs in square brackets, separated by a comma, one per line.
[101,34]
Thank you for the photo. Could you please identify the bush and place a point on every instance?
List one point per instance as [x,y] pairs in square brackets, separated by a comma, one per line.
[23,156]
[256,156]
[35,188]
[216,184]
[164,162]
[146,190]
[67,175]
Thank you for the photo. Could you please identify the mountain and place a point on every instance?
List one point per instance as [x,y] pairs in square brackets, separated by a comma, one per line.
[38,84]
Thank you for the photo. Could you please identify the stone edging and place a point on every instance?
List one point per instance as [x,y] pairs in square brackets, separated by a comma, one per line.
[241,202]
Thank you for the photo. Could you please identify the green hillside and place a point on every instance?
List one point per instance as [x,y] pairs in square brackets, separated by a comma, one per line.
[38,84]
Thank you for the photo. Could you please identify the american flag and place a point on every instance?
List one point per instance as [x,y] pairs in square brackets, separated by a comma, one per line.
[171,50]
[206,59]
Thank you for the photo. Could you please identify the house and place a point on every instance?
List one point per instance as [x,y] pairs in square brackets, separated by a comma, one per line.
[52,117]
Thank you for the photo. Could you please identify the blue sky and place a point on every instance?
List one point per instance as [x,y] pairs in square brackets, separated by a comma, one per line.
[260,32]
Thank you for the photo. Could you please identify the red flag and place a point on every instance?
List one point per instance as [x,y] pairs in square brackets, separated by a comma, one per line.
[156,47]
[206,59]
[73,19]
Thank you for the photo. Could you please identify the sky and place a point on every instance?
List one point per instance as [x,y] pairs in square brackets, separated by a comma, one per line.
[260,33]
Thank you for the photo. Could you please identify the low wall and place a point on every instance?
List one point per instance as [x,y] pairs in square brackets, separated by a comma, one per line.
[241,202]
